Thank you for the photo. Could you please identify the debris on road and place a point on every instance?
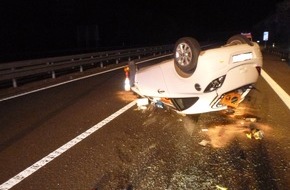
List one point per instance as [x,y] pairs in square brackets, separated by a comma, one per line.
[204,142]
[142,102]
[255,134]
[251,119]
[220,187]
[142,107]
[229,111]
[181,114]
[159,104]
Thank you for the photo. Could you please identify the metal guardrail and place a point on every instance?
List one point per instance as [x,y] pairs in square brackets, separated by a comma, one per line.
[284,54]
[14,71]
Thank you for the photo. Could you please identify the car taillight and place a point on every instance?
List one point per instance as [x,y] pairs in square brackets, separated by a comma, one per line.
[215,84]
[259,70]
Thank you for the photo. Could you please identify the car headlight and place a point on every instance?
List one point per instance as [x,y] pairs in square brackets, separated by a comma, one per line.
[215,84]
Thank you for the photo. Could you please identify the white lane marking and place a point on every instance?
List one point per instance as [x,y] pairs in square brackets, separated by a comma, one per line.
[81,78]
[280,92]
[39,164]
[167,55]
[59,84]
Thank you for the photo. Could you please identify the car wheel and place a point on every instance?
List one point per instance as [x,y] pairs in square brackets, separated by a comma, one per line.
[186,55]
[239,39]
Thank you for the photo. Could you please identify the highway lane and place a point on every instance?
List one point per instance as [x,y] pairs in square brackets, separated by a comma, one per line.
[141,149]
[36,124]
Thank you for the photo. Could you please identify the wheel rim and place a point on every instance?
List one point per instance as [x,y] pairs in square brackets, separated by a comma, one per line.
[183,54]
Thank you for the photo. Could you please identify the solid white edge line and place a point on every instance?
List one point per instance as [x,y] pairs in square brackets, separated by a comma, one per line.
[39,164]
[59,84]
[138,62]
[77,79]
[279,91]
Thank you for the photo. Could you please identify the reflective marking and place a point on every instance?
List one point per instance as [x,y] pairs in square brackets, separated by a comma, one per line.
[36,166]
[279,91]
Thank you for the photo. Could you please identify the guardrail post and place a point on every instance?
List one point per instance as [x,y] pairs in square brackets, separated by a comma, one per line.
[81,68]
[53,74]
[101,65]
[14,82]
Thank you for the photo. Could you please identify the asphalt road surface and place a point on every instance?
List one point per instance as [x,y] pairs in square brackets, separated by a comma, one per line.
[89,135]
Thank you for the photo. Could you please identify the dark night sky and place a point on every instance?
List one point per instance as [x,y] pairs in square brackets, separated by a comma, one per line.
[46,25]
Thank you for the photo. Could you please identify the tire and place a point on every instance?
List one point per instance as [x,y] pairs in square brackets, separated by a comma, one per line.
[239,39]
[186,51]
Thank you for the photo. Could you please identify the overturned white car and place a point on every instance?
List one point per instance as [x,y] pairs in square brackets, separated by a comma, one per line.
[197,81]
